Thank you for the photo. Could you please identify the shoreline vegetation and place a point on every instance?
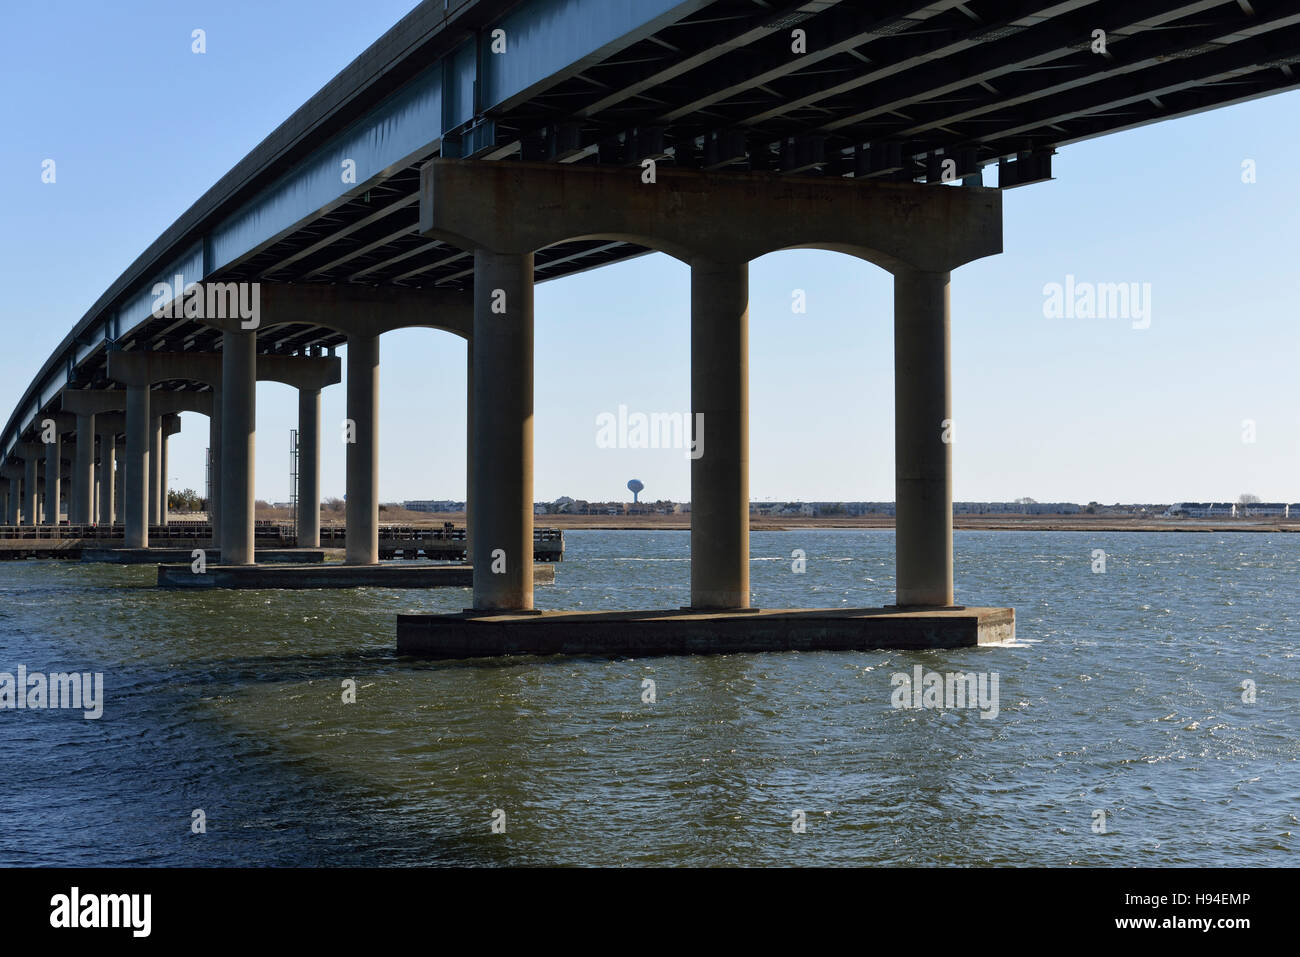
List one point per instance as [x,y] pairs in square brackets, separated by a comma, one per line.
[395,515]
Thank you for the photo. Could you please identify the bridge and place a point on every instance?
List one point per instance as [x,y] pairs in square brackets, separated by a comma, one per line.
[482,146]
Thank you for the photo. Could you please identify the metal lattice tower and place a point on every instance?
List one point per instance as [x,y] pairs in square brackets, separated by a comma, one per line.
[293,476]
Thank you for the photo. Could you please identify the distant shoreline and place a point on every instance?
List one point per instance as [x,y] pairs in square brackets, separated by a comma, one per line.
[1001,525]
[772,523]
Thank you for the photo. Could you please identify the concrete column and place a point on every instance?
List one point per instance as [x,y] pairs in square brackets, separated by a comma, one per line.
[502,444]
[363,452]
[31,507]
[238,434]
[162,477]
[214,456]
[922,422]
[309,468]
[5,500]
[119,483]
[469,451]
[139,439]
[107,448]
[81,504]
[155,461]
[53,467]
[720,456]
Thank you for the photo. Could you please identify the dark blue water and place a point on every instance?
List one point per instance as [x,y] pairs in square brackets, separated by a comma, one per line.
[1123,695]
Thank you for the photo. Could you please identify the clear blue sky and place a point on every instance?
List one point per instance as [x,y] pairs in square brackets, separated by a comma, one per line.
[1057,409]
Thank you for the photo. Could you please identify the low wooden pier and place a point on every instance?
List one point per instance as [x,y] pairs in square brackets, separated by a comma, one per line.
[443,544]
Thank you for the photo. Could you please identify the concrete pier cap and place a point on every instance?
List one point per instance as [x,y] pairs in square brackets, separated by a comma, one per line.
[524,207]
[367,310]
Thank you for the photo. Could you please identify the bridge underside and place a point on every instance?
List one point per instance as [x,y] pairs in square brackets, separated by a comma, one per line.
[887,91]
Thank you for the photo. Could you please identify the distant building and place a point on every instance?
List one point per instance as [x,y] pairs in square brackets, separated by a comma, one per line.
[1267,508]
[869,508]
[1016,508]
[1201,510]
[433,505]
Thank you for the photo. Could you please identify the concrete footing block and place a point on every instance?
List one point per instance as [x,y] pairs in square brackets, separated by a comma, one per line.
[330,575]
[635,634]
[154,556]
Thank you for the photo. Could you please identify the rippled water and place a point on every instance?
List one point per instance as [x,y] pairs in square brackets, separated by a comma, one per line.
[1123,694]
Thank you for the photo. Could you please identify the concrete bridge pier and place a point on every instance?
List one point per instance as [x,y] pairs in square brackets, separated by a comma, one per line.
[13,476]
[923,437]
[65,485]
[502,443]
[310,375]
[362,506]
[214,464]
[155,464]
[119,482]
[93,414]
[81,502]
[31,504]
[135,505]
[362,314]
[107,477]
[309,469]
[238,437]
[231,408]
[717,222]
[720,432]
[53,468]
[171,424]
[469,456]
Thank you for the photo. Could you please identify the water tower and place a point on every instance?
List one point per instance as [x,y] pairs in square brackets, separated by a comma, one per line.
[635,486]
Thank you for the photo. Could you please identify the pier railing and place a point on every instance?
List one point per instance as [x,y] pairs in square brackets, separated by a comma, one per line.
[447,542]
[425,533]
[172,531]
